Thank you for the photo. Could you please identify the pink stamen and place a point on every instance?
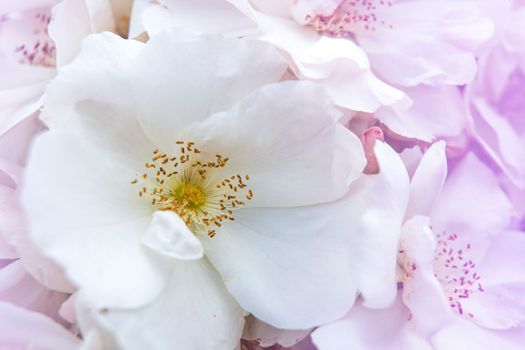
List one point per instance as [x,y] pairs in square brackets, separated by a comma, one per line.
[42,51]
[458,282]
[350,16]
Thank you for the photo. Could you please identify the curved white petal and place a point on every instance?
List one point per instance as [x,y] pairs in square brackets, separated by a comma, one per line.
[299,267]
[45,270]
[362,91]
[81,207]
[385,197]
[329,53]
[168,235]
[290,267]
[100,74]
[428,180]
[69,26]
[338,64]
[201,16]
[195,311]
[293,149]
[73,20]
[219,73]
[92,99]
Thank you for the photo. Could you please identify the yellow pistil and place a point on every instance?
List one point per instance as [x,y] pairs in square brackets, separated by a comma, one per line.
[191,194]
[185,184]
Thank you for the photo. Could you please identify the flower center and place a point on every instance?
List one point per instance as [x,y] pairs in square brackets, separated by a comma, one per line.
[32,44]
[191,195]
[456,272]
[453,268]
[193,188]
[349,17]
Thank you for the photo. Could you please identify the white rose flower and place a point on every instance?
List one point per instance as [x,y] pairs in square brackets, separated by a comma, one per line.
[178,190]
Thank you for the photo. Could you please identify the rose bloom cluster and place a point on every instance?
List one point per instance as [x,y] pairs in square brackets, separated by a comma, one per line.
[262,174]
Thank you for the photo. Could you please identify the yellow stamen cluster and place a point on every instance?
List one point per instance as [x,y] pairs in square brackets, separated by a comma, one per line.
[185,184]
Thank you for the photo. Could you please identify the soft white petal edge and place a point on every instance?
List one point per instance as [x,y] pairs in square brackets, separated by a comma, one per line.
[168,235]
[428,180]
[386,198]
[195,312]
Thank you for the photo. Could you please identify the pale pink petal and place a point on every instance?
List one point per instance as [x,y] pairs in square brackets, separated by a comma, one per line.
[365,329]
[496,106]
[437,111]
[24,329]
[10,220]
[501,305]
[16,142]
[17,286]
[472,201]
[466,335]
[429,41]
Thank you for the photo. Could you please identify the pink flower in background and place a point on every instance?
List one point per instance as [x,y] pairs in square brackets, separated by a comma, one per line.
[29,280]
[27,58]
[36,37]
[23,329]
[459,269]
[423,48]
[408,42]
[496,98]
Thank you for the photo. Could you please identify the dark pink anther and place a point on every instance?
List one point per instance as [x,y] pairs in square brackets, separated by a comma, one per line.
[349,17]
[458,281]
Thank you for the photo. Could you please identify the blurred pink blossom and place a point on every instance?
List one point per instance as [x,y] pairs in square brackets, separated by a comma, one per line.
[459,269]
